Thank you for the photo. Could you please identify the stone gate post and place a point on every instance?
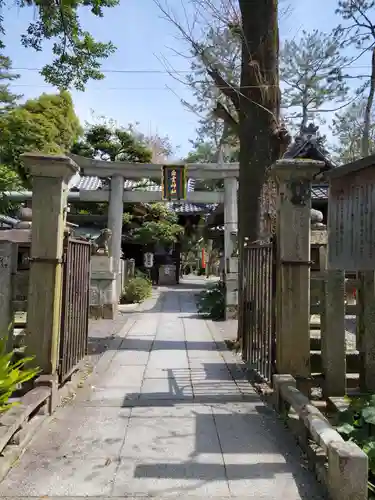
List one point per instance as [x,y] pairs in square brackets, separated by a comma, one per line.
[293,179]
[50,177]
[230,237]
[115,214]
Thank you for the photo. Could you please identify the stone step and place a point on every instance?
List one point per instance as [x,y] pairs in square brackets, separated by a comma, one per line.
[352,361]
[352,380]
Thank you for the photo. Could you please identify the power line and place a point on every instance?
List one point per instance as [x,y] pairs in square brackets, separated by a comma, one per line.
[222,87]
[157,71]
[129,71]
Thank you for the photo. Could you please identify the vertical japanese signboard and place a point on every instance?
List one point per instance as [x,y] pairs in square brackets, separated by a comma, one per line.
[174,182]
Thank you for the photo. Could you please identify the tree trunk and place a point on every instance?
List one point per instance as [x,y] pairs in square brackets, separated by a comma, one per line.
[304,111]
[259,129]
[365,146]
[259,108]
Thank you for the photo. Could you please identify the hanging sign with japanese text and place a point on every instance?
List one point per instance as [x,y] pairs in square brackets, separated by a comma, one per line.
[148,259]
[174,182]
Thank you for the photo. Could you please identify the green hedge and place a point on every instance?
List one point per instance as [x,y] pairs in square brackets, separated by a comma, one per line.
[211,302]
[136,290]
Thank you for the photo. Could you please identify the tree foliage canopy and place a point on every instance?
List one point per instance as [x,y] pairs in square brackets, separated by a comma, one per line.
[8,99]
[347,129]
[47,124]
[158,225]
[311,70]
[358,31]
[77,55]
[111,143]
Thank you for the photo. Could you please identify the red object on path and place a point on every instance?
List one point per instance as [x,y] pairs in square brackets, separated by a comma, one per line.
[203,259]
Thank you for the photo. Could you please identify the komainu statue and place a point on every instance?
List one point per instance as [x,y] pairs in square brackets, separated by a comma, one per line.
[101,242]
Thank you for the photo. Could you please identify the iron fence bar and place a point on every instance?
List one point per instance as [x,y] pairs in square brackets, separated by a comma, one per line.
[258,309]
[246,305]
[263,322]
[268,306]
[74,317]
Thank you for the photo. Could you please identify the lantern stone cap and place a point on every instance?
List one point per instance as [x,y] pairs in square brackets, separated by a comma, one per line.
[296,168]
[45,165]
[350,168]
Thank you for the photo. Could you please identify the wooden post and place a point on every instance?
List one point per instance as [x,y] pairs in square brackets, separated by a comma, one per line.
[366,330]
[50,177]
[332,327]
[6,309]
[293,287]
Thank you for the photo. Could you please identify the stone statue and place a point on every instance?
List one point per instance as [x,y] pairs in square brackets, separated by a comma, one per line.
[101,242]
[25,216]
[316,219]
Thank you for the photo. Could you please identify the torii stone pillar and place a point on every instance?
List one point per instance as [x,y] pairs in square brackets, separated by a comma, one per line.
[230,237]
[293,179]
[50,176]
[115,215]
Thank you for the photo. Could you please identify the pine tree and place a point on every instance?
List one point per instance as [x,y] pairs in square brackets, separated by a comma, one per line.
[7,99]
[311,75]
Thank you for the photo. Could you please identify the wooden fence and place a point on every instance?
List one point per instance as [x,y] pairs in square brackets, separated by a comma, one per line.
[321,334]
[14,289]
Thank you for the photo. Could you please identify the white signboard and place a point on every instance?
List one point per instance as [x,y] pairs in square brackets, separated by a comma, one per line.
[148,259]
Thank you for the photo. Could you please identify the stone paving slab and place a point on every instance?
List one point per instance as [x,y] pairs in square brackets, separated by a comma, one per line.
[166,414]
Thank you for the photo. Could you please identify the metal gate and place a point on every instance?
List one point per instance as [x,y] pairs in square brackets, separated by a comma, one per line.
[259,309]
[75,305]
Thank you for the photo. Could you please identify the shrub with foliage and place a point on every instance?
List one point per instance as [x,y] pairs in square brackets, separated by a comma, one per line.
[211,302]
[13,373]
[136,290]
[357,424]
[159,225]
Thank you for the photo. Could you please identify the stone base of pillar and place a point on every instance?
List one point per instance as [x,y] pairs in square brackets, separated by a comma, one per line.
[103,288]
[52,382]
[231,302]
[105,311]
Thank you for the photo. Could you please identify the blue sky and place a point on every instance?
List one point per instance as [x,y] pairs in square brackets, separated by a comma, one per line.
[141,37]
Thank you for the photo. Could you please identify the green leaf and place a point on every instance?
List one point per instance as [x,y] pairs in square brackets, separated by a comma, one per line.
[345,429]
[12,374]
[368,414]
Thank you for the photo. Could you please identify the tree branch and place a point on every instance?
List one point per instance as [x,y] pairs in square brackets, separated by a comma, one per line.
[222,112]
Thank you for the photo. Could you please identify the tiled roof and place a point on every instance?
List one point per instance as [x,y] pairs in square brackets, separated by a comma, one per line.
[142,185]
[87,183]
[308,144]
[319,192]
[90,183]
[187,208]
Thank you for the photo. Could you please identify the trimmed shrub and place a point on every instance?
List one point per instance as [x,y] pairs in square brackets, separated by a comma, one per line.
[136,290]
[211,302]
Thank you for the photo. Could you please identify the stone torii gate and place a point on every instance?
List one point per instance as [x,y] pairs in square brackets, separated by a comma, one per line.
[116,196]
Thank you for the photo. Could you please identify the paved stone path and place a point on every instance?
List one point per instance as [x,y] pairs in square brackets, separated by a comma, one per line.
[168,414]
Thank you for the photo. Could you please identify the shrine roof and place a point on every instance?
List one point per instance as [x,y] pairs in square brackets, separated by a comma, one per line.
[309,144]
